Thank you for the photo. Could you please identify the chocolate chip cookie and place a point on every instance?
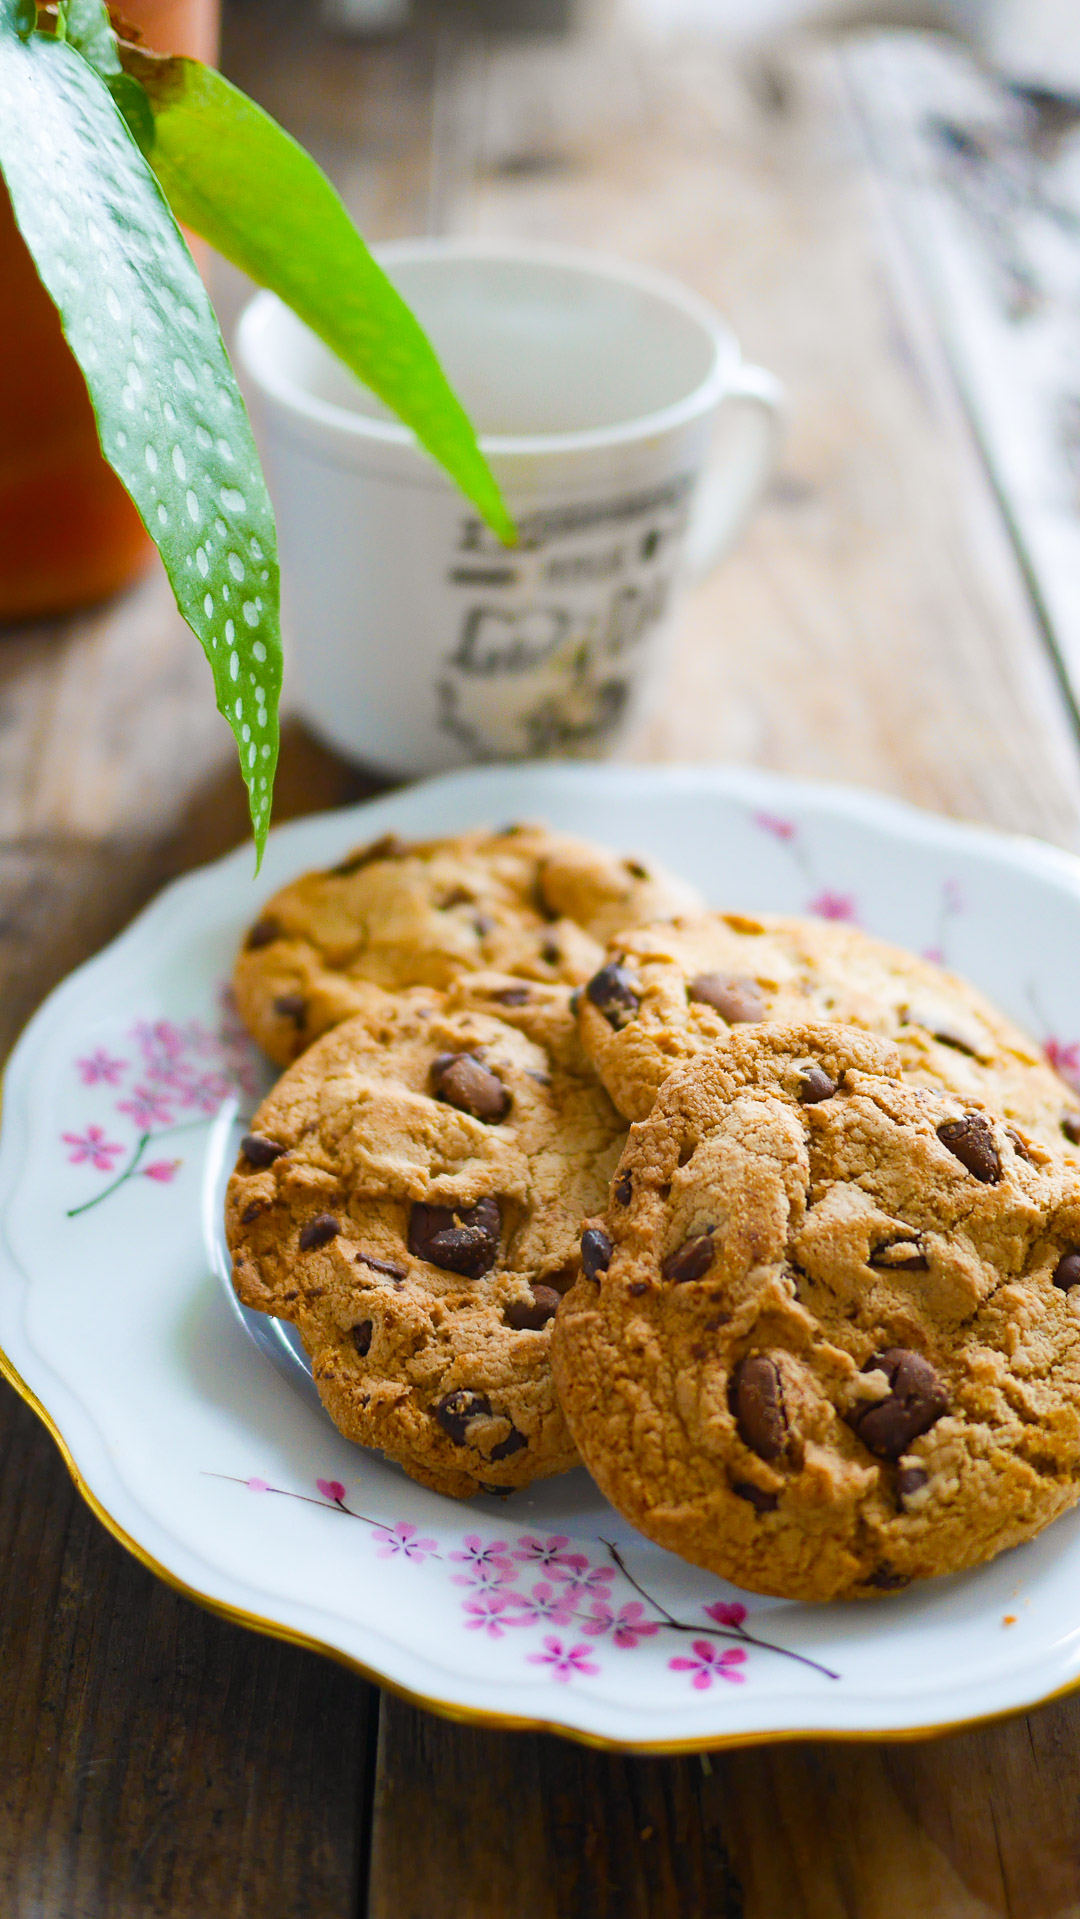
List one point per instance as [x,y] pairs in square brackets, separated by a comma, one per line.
[525,902]
[410,1196]
[827,1334]
[668,992]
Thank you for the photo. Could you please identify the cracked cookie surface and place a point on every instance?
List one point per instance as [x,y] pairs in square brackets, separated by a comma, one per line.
[669,992]
[827,1335]
[410,1196]
[525,902]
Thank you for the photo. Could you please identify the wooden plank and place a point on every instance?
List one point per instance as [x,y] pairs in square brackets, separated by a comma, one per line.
[153,1759]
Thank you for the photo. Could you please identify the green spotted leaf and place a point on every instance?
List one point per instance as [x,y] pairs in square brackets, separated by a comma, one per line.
[170,416]
[233,175]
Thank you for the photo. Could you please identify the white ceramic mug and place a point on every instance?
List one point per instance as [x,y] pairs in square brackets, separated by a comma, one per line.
[630,442]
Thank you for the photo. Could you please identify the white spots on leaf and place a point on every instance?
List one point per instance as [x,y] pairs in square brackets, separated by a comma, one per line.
[246,732]
[201,561]
[191,500]
[251,613]
[256,549]
[259,651]
[232,500]
[134,377]
[236,566]
[226,452]
[184,375]
[121,439]
[225,590]
[208,604]
[251,758]
[234,666]
[221,527]
[128,398]
[150,456]
[163,514]
[264,577]
[230,631]
[203,438]
[188,317]
[179,463]
[170,413]
[238,710]
[139,351]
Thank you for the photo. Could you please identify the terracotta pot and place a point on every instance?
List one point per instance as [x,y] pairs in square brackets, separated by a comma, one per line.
[69,535]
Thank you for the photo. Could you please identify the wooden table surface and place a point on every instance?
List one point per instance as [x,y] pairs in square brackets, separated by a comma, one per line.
[873,626]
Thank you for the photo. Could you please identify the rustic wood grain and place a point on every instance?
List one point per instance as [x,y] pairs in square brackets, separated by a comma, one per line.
[155,1762]
[871,626]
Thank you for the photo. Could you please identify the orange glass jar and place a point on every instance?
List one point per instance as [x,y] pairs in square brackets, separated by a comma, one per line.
[69,535]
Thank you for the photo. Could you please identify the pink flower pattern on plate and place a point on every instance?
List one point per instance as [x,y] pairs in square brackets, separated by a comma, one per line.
[627,1626]
[182,1074]
[404,1539]
[828,905]
[546,1603]
[101,1068]
[92,1146]
[710,1663]
[494,1606]
[483,1613]
[566,1662]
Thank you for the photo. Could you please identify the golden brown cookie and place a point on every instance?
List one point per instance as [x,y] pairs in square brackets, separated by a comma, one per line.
[827,1336]
[525,901]
[669,992]
[411,1196]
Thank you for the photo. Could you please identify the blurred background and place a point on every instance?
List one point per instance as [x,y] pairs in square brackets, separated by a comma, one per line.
[883,196]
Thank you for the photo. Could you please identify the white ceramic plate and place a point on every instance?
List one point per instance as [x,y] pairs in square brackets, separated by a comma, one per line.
[194,1430]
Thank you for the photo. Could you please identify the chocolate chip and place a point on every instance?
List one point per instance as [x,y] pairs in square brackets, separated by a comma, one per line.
[462,1081]
[292,1006]
[550,953]
[529,1315]
[318,1232]
[758,1405]
[1070,1126]
[1020,1145]
[900,1256]
[260,1150]
[513,1443]
[458,1409]
[917,1401]
[636,870]
[739,1001]
[483,924]
[463,1239]
[1067,1271]
[596,1250]
[263,933]
[762,1502]
[382,1266]
[457,896]
[624,1188]
[637,1287]
[689,1260]
[361,1337]
[886,1580]
[512,996]
[575,1002]
[972,1143]
[389,847]
[815,1085]
[613,991]
[910,1480]
[251,1212]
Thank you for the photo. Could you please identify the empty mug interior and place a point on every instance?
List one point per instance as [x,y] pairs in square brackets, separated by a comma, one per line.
[534,346]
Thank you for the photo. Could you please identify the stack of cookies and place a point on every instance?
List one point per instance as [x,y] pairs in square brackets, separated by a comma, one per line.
[775,1226]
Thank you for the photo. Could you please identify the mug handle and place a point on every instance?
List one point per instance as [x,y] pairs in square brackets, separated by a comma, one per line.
[750,429]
